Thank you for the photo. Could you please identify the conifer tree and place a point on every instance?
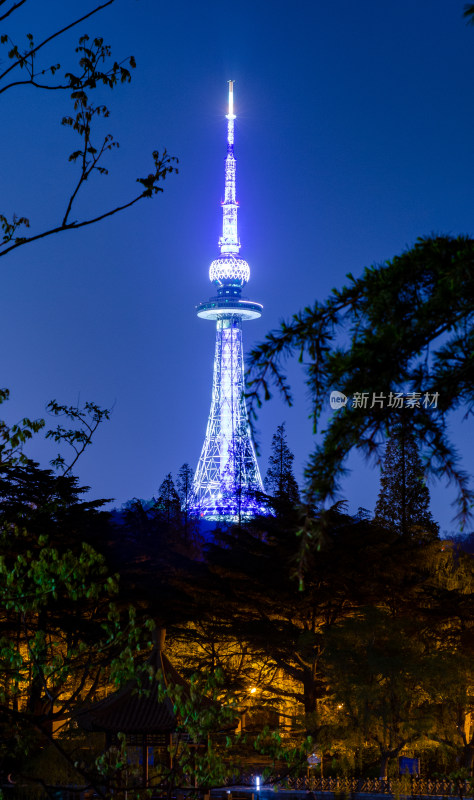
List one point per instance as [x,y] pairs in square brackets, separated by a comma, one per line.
[184,484]
[280,481]
[412,329]
[404,498]
[168,504]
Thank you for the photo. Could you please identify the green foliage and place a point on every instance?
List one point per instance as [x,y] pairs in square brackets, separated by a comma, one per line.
[206,749]
[376,648]
[86,419]
[382,678]
[61,633]
[403,326]
[14,437]
[359,656]
[206,714]
[251,595]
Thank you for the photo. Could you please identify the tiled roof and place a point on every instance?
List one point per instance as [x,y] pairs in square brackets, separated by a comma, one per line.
[128,711]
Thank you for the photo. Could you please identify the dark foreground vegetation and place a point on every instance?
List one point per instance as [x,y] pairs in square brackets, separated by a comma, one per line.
[370,659]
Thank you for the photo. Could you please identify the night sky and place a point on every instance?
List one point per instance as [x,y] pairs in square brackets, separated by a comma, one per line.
[354,136]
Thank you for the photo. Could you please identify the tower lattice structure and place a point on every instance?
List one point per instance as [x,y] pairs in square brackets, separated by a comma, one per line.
[227,483]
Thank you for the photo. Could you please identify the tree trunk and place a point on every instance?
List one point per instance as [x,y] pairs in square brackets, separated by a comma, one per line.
[310,694]
[309,690]
[404,484]
[384,765]
[468,758]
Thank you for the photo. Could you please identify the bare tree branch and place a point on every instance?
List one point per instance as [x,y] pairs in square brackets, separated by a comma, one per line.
[86,420]
[12,9]
[163,166]
[95,69]
[48,39]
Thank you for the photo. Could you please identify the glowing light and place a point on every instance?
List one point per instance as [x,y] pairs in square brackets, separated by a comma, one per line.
[229,242]
[218,307]
[257,782]
[229,268]
[231,99]
[227,484]
[227,480]
[253,690]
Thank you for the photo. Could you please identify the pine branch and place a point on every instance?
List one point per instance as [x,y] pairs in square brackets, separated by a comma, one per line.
[395,314]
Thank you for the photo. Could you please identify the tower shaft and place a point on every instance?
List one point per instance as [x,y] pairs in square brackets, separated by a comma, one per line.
[227,481]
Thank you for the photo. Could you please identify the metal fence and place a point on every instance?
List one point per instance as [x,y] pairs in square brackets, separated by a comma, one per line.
[32,792]
[405,786]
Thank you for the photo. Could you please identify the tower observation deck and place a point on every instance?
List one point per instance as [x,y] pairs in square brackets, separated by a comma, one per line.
[227,484]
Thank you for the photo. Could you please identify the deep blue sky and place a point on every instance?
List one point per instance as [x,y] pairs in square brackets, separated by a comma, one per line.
[354,135]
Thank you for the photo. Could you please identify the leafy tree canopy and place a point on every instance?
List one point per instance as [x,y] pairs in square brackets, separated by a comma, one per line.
[62,634]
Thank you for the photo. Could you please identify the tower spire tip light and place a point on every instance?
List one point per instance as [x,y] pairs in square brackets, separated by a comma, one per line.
[231,114]
[227,485]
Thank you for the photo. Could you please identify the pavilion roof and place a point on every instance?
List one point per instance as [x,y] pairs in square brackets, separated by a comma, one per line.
[130,711]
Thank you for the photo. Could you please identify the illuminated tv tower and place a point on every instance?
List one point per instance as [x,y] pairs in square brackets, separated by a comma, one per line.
[227,483]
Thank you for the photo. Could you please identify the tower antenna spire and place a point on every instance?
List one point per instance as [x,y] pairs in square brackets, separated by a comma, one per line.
[229,242]
[230,115]
[230,118]
[227,484]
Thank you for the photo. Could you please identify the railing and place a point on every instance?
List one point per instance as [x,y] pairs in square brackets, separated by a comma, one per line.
[406,786]
[32,792]
[410,787]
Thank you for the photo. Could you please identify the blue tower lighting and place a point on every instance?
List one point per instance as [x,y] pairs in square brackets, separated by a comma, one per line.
[227,484]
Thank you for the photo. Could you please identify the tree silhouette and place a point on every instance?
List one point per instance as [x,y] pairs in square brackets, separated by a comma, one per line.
[404,498]
[280,481]
[167,504]
[184,484]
